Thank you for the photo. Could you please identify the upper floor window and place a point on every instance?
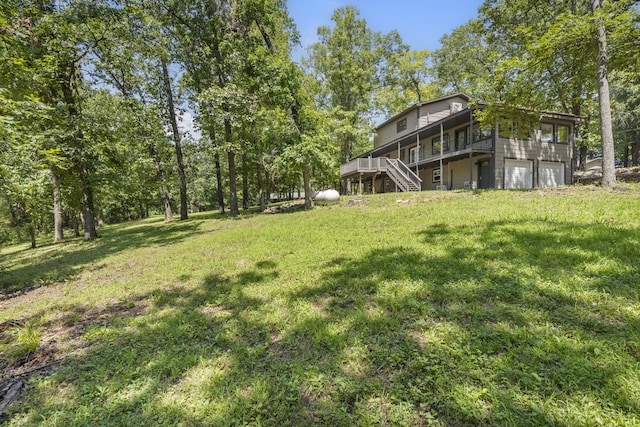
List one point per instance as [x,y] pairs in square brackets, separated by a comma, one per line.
[401,125]
[553,132]
[414,155]
[461,138]
[481,133]
[563,134]
[546,132]
[514,130]
[435,144]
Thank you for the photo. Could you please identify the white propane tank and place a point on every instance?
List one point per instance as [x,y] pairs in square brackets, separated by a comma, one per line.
[326,197]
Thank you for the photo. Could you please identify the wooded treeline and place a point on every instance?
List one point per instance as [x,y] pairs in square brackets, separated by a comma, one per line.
[96,98]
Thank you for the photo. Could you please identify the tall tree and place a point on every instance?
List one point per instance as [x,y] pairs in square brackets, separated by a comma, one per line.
[348,63]
[546,56]
[604,98]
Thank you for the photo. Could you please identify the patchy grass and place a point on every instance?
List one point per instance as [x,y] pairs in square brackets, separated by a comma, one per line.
[436,308]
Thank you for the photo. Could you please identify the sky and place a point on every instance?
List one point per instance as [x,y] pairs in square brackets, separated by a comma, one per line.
[421,23]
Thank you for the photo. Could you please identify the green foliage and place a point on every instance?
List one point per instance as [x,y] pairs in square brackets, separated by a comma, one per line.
[406,81]
[466,60]
[18,342]
[349,64]
[521,308]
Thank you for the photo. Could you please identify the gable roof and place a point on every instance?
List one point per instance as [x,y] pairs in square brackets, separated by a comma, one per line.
[422,104]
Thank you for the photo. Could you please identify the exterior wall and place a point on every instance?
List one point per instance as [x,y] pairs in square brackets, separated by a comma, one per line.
[389,132]
[532,149]
[428,114]
[455,174]
[438,110]
[426,147]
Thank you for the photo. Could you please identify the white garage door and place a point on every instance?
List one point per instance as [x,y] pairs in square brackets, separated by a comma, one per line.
[518,174]
[550,174]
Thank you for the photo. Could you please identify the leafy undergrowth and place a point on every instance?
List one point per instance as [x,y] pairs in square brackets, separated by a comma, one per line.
[447,308]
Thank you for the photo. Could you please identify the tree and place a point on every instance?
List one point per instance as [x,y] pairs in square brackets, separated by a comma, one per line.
[405,81]
[466,60]
[348,63]
[547,58]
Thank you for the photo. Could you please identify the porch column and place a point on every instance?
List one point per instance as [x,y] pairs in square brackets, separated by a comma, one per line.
[470,147]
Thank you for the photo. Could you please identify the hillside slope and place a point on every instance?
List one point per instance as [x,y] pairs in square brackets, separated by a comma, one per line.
[433,308]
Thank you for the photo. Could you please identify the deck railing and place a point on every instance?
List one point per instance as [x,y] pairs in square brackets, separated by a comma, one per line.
[379,164]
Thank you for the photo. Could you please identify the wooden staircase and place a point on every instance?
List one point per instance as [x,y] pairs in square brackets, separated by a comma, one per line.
[404,177]
[401,174]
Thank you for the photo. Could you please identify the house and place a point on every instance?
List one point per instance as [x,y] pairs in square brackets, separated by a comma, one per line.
[437,144]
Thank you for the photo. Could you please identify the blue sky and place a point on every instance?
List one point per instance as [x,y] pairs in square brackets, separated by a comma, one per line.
[421,23]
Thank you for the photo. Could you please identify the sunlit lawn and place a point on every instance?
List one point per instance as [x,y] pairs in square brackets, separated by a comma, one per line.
[433,308]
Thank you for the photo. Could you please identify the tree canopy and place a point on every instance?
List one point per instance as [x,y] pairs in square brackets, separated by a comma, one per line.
[92,95]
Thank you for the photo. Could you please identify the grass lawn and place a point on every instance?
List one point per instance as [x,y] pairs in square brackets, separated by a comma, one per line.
[433,308]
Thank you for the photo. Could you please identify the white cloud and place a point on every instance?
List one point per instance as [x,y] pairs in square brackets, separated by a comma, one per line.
[188,127]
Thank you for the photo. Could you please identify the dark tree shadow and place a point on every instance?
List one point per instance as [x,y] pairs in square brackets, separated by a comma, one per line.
[62,262]
[487,330]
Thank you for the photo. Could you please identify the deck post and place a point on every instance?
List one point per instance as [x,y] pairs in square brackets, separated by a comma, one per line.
[373,183]
[360,185]
[471,147]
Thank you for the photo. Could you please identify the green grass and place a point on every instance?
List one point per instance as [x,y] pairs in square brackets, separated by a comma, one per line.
[436,308]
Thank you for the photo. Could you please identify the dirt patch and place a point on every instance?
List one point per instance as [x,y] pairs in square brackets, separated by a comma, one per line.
[287,207]
[61,337]
[593,176]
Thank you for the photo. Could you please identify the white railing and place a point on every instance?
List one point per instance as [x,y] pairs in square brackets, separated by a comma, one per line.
[365,165]
[412,180]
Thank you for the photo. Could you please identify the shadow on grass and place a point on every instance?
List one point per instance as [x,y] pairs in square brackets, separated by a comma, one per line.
[51,263]
[503,324]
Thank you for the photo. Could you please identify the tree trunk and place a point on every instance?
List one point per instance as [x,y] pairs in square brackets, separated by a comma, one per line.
[68,74]
[233,192]
[635,151]
[306,177]
[76,225]
[245,183]
[58,233]
[166,197]
[606,129]
[88,222]
[176,141]
[32,235]
[15,221]
[220,191]
[260,187]
[231,160]
[627,149]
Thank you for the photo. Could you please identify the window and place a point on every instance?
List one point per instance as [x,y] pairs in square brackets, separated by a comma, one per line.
[461,138]
[435,144]
[480,133]
[563,134]
[436,176]
[546,132]
[401,125]
[505,130]
[413,155]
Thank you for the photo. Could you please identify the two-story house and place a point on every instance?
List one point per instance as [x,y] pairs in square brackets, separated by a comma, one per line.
[438,145]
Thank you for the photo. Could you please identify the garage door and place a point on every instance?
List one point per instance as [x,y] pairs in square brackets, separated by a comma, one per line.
[518,174]
[550,174]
